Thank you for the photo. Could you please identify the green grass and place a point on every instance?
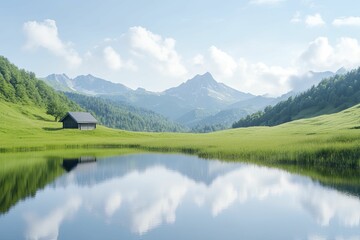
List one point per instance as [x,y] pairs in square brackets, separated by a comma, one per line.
[329,140]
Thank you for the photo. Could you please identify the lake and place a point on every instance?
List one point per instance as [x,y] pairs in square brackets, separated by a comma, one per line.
[170,196]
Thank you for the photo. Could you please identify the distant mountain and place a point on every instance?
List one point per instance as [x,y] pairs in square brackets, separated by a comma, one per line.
[222,120]
[96,86]
[197,103]
[203,91]
[124,116]
[86,84]
[184,103]
[194,116]
[225,118]
[329,96]
[60,82]
[341,71]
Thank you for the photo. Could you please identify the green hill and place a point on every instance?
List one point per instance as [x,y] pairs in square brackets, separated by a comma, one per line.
[123,116]
[327,140]
[22,87]
[330,96]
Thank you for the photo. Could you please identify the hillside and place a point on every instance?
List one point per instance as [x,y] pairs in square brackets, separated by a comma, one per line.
[123,116]
[326,140]
[331,95]
[178,103]
[21,87]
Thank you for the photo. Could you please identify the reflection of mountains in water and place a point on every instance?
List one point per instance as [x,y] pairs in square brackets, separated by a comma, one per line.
[199,170]
[87,171]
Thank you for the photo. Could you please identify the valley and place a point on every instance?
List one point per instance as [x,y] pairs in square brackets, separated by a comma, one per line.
[200,104]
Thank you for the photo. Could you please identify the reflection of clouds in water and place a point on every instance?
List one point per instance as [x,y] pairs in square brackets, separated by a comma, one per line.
[47,227]
[155,203]
[316,237]
[224,198]
[145,200]
[325,205]
[112,204]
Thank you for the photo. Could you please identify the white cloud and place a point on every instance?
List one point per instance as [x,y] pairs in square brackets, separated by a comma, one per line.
[112,58]
[259,78]
[346,21]
[265,2]
[322,56]
[158,48]
[256,78]
[314,20]
[224,63]
[198,60]
[45,35]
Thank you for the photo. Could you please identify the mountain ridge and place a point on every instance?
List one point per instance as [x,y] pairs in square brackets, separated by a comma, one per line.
[192,103]
[331,95]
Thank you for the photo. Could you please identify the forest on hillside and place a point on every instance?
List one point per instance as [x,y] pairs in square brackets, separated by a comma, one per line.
[22,87]
[123,116]
[331,95]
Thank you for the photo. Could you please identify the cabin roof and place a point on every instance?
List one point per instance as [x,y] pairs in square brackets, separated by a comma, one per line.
[80,117]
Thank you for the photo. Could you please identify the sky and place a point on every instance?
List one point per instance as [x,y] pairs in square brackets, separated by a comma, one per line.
[253,46]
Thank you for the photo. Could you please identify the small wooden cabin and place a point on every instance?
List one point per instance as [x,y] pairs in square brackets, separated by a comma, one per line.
[79,120]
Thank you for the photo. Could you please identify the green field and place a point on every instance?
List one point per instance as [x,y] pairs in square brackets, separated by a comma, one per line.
[332,140]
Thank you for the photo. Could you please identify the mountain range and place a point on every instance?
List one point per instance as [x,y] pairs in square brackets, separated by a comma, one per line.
[196,103]
[331,95]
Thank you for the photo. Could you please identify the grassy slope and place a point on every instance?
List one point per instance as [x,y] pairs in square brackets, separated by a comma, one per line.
[329,139]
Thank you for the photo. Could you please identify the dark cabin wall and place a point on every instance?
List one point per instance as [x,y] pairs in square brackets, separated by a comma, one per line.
[68,122]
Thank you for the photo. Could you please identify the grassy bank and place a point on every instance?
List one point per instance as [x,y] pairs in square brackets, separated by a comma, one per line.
[332,140]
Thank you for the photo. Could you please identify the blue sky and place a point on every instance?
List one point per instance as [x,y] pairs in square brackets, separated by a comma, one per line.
[252,45]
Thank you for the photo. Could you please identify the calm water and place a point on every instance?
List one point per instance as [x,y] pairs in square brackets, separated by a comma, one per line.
[160,196]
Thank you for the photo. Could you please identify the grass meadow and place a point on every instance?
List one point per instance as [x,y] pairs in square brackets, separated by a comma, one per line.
[328,140]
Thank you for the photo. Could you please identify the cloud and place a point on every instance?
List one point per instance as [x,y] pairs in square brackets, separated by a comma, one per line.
[322,56]
[112,58]
[346,21]
[265,2]
[314,20]
[261,78]
[158,48]
[257,78]
[45,35]
[224,63]
[198,60]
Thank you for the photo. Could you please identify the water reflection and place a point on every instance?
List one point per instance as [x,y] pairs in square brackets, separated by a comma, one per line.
[161,196]
[70,163]
[25,180]
[47,227]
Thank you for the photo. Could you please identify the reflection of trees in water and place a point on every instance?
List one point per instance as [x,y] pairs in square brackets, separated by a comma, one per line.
[24,181]
[346,180]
